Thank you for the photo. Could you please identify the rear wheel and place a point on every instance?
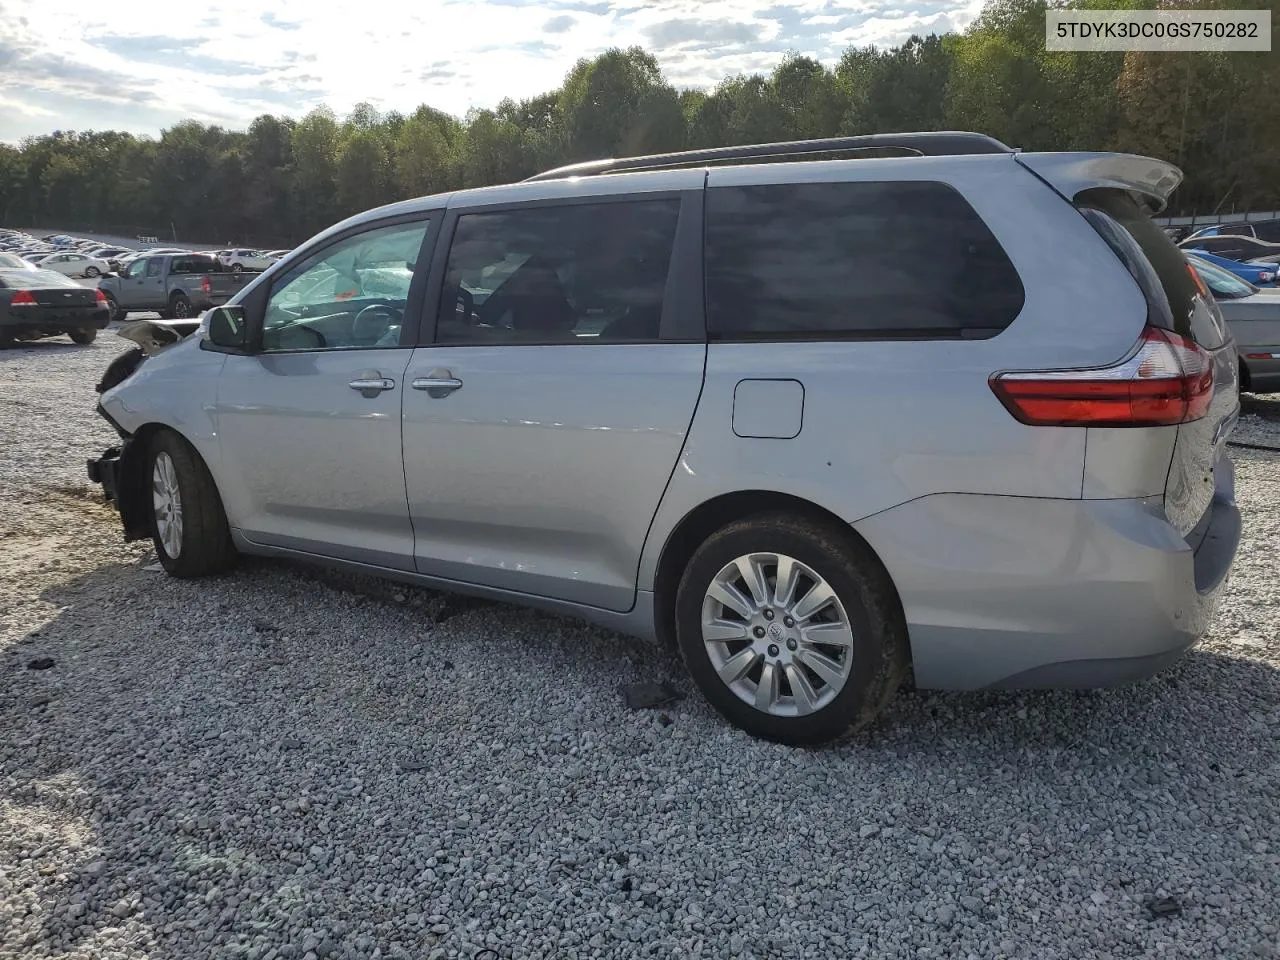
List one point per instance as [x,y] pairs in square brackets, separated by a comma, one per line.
[237,268]
[84,335]
[179,307]
[115,314]
[92,272]
[6,338]
[791,628]
[188,525]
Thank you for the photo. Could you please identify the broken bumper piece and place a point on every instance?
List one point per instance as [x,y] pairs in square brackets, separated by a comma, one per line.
[106,471]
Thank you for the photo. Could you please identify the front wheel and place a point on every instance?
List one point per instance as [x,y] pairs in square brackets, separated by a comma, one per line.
[791,628]
[237,268]
[188,525]
[92,272]
[83,335]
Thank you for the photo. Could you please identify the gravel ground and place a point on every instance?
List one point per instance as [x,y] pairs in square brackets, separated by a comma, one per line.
[286,764]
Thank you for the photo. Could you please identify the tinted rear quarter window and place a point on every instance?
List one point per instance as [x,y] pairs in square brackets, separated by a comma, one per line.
[1174,299]
[862,260]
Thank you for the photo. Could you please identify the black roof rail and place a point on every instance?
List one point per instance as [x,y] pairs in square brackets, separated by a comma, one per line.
[946,143]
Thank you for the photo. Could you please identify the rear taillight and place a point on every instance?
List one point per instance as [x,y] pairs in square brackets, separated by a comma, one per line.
[1167,379]
[1265,277]
[206,286]
[22,298]
[101,298]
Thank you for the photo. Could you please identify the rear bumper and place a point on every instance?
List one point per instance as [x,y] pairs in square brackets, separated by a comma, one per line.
[1019,593]
[52,321]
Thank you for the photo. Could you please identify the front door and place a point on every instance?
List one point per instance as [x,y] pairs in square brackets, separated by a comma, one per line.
[542,425]
[310,426]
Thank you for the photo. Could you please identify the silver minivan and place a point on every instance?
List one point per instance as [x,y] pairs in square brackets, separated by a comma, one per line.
[820,419]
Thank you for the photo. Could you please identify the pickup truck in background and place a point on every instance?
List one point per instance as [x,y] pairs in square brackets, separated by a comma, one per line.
[175,285]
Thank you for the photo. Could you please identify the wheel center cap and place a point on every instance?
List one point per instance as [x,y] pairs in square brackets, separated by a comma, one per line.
[777,631]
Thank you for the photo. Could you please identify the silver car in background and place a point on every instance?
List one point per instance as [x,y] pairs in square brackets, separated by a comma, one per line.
[960,412]
[1253,317]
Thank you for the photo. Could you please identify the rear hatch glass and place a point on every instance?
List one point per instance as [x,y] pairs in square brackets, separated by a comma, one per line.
[1177,300]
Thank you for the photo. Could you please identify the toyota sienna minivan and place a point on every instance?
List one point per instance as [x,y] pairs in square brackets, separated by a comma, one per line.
[818,418]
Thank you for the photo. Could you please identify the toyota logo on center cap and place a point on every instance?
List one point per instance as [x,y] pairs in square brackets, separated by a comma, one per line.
[776,631]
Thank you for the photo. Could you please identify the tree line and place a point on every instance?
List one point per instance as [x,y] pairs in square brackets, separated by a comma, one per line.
[282,179]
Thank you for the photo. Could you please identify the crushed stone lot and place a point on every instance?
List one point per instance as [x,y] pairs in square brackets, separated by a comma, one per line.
[289,764]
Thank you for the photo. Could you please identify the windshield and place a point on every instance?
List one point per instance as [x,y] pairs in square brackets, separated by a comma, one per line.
[1224,284]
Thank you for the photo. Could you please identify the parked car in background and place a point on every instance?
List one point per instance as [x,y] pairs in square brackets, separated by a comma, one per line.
[128,258]
[634,398]
[241,259]
[177,285]
[1259,274]
[1235,247]
[112,255]
[75,265]
[1254,320]
[1268,230]
[9,261]
[41,303]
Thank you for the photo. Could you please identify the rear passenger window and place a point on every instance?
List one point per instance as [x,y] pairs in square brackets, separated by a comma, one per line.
[584,273]
[869,260]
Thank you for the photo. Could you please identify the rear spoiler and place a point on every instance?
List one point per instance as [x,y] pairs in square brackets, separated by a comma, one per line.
[1071,173]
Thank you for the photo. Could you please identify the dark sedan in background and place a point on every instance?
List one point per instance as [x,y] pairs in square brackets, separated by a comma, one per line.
[41,303]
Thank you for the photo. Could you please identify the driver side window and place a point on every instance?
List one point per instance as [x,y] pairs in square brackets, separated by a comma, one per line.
[349,296]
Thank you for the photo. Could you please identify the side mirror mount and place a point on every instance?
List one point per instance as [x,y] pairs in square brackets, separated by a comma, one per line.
[229,330]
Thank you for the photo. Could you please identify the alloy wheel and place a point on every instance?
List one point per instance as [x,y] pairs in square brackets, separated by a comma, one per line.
[777,634]
[166,500]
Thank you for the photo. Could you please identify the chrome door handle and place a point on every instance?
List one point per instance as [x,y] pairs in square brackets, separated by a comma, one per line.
[372,386]
[437,386]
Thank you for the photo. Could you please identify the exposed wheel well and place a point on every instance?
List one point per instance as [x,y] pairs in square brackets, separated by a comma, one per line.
[709,517]
[1245,382]
[133,484]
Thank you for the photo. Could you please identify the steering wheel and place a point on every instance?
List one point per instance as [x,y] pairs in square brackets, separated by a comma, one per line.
[370,324]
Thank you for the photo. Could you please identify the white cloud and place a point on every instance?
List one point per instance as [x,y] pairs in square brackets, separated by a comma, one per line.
[232,60]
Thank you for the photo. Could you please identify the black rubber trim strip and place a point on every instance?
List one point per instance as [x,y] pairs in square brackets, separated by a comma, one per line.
[1252,446]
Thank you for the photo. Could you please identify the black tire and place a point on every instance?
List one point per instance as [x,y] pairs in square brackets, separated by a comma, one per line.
[92,272]
[205,546]
[115,314]
[179,307]
[237,268]
[6,338]
[880,650]
[84,335]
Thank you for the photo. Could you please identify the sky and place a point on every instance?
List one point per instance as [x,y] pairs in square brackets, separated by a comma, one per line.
[143,65]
